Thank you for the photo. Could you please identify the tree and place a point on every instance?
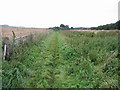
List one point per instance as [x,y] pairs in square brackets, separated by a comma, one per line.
[72,28]
[56,28]
[118,25]
[62,25]
[66,27]
[111,26]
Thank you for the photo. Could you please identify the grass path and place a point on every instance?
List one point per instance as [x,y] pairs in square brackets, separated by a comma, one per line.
[62,60]
[48,66]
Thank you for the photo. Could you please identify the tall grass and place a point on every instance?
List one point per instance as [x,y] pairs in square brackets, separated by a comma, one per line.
[65,59]
[16,71]
[0,63]
[94,58]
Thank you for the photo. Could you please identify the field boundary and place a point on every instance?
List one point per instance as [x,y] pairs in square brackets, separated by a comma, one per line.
[9,46]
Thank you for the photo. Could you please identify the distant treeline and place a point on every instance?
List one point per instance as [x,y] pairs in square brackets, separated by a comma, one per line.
[61,27]
[112,26]
[66,27]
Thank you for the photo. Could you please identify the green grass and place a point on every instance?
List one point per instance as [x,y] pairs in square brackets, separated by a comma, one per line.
[65,59]
[0,61]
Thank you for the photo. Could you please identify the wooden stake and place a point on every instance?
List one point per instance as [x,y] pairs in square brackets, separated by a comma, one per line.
[5,49]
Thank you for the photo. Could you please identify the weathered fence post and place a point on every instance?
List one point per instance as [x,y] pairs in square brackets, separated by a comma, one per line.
[6,48]
[4,53]
[13,42]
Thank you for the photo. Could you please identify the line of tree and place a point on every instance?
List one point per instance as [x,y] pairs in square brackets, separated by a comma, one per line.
[112,26]
[61,27]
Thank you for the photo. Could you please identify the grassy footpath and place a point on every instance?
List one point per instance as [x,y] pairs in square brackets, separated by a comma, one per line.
[49,66]
[65,60]
[41,66]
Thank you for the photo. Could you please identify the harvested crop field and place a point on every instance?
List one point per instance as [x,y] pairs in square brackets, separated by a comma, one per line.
[7,31]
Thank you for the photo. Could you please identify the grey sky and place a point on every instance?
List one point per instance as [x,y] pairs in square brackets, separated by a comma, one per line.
[48,13]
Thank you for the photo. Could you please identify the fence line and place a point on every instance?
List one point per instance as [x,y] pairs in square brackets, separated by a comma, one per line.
[22,36]
[7,49]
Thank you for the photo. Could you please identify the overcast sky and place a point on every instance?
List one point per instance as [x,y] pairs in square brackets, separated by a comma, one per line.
[49,13]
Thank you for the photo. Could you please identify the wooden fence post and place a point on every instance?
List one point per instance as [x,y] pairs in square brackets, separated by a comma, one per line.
[6,48]
[13,42]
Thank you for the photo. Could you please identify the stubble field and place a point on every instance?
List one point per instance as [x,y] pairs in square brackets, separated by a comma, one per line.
[7,31]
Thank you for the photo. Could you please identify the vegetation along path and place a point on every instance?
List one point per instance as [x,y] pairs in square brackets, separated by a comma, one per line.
[65,60]
[49,64]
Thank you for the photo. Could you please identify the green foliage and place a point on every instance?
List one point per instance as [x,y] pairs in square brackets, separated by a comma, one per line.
[95,58]
[65,59]
[17,71]
[112,26]
[56,28]
[62,27]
